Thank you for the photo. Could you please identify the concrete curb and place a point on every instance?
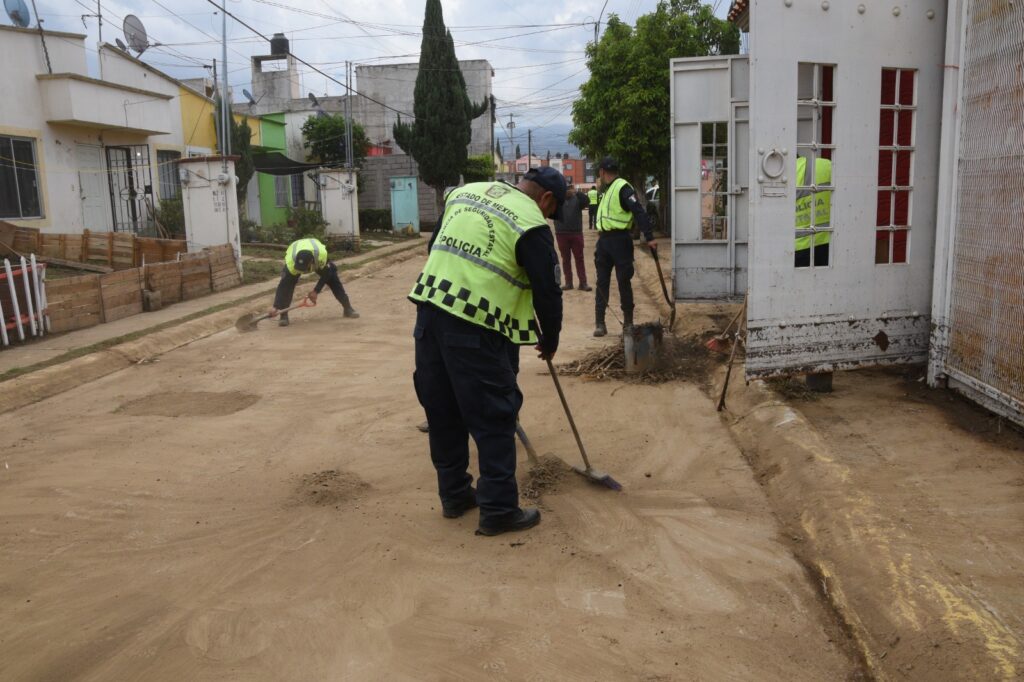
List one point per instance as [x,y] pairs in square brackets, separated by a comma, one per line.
[50,381]
[898,606]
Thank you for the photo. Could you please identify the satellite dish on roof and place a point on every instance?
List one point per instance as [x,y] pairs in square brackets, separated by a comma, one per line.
[17,10]
[135,34]
[248,96]
[120,45]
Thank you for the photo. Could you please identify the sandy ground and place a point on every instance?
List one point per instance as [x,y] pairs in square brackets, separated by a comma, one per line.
[261,507]
[934,493]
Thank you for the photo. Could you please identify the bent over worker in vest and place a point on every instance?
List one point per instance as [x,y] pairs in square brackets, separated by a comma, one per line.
[491,275]
[810,196]
[302,257]
[618,209]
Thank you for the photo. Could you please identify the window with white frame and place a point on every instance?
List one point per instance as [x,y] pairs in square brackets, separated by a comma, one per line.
[19,178]
[281,191]
[895,165]
[714,180]
[815,177]
[167,169]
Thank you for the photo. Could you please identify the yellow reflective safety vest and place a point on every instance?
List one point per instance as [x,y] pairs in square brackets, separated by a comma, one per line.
[611,214]
[472,271]
[309,244]
[821,201]
[592,195]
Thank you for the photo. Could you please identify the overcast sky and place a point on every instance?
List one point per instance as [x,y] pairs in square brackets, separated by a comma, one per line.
[535,46]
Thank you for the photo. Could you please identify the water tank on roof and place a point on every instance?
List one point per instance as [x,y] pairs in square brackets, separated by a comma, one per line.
[278,45]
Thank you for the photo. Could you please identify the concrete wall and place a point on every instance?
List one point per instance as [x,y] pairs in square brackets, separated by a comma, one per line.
[375,186]
[394,84]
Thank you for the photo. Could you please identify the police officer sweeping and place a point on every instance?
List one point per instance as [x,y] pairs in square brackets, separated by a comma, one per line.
[305,256]
[492,271]
[618,209]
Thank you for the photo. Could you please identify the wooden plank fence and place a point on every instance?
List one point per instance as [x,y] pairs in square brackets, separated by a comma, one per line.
[116,250]
[91,299]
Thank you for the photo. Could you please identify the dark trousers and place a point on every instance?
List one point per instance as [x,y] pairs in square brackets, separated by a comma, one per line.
[570,245]
[593,217]
[466,382]
[286,287]
[614,250]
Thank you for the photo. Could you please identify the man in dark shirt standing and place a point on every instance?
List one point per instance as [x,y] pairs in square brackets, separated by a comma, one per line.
[491,276]
[569,234]
[618,210]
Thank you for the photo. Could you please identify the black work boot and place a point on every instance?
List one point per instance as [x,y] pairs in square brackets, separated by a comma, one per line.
[520,520]
[627,321]
[283,322]
[350,312]
[453,509]
[599,328]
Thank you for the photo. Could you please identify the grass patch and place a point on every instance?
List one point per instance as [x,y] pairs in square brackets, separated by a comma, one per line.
[263,252]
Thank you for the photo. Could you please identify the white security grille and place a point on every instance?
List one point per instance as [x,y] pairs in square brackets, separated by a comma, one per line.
[986,323]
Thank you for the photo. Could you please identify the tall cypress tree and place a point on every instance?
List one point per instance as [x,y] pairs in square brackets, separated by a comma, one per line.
[439,137]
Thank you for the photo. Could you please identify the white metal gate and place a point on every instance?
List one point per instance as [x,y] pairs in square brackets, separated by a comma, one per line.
[821,113]
[710,142]
[980,262]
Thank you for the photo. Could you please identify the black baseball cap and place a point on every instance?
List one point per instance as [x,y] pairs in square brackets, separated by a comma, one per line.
[608,163]
[304,261]
[551,180]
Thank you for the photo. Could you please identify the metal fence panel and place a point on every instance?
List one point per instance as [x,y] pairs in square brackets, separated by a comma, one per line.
[986,321]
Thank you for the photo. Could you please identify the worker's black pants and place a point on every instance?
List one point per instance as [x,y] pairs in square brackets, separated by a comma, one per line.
[614,250]
[466,382]
[286,287]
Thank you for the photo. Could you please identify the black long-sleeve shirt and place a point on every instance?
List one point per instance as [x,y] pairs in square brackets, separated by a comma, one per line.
[535,251]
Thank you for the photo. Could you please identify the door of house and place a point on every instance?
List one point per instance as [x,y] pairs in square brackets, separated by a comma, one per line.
[92,187]
[405,205]
[710,140]
[131,185]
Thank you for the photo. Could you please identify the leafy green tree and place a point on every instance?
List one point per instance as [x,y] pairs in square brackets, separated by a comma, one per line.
[497,150]
[324,137]
[439,137]
[479,168]
[519,154]
[623,109]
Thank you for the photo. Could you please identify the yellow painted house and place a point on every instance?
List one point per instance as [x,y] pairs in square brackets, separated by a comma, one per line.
[199,125]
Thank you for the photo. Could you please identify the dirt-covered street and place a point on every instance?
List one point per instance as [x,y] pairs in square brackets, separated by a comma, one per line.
[262,507]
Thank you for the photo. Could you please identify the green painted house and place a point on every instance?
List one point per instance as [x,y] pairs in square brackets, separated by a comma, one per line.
[275,194]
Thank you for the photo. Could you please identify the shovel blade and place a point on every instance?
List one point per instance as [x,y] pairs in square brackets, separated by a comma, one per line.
[247,323]
[600,477]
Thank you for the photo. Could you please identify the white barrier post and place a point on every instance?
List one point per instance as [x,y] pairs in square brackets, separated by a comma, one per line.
[14,300]
[28,297]
[37,287]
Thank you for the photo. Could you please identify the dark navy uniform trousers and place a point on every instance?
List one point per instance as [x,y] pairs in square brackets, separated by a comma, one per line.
[466,382]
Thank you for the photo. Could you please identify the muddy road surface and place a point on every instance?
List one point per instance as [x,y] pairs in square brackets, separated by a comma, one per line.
[262,507]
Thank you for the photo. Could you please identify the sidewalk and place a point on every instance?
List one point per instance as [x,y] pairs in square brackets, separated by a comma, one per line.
[50,348]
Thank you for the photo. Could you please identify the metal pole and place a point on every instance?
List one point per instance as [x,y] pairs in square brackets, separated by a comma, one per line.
[218,122]
[225,98]
[529,148]
[99,46]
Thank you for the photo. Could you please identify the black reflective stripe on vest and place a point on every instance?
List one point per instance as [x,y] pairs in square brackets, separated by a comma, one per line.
[481,262]
[465,201]
[494,317]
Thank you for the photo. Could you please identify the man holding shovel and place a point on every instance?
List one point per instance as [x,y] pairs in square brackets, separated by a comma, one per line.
[492,272]
[302,257]
[618,209]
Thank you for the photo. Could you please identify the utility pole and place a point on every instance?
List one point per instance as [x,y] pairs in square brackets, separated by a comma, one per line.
[225,102]
[512,145]
[529,148]
[99,45]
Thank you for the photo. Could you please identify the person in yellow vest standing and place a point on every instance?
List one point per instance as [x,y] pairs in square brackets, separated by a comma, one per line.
[491,276]
[302,257]
[618,209]
[811,197]
[592,210]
